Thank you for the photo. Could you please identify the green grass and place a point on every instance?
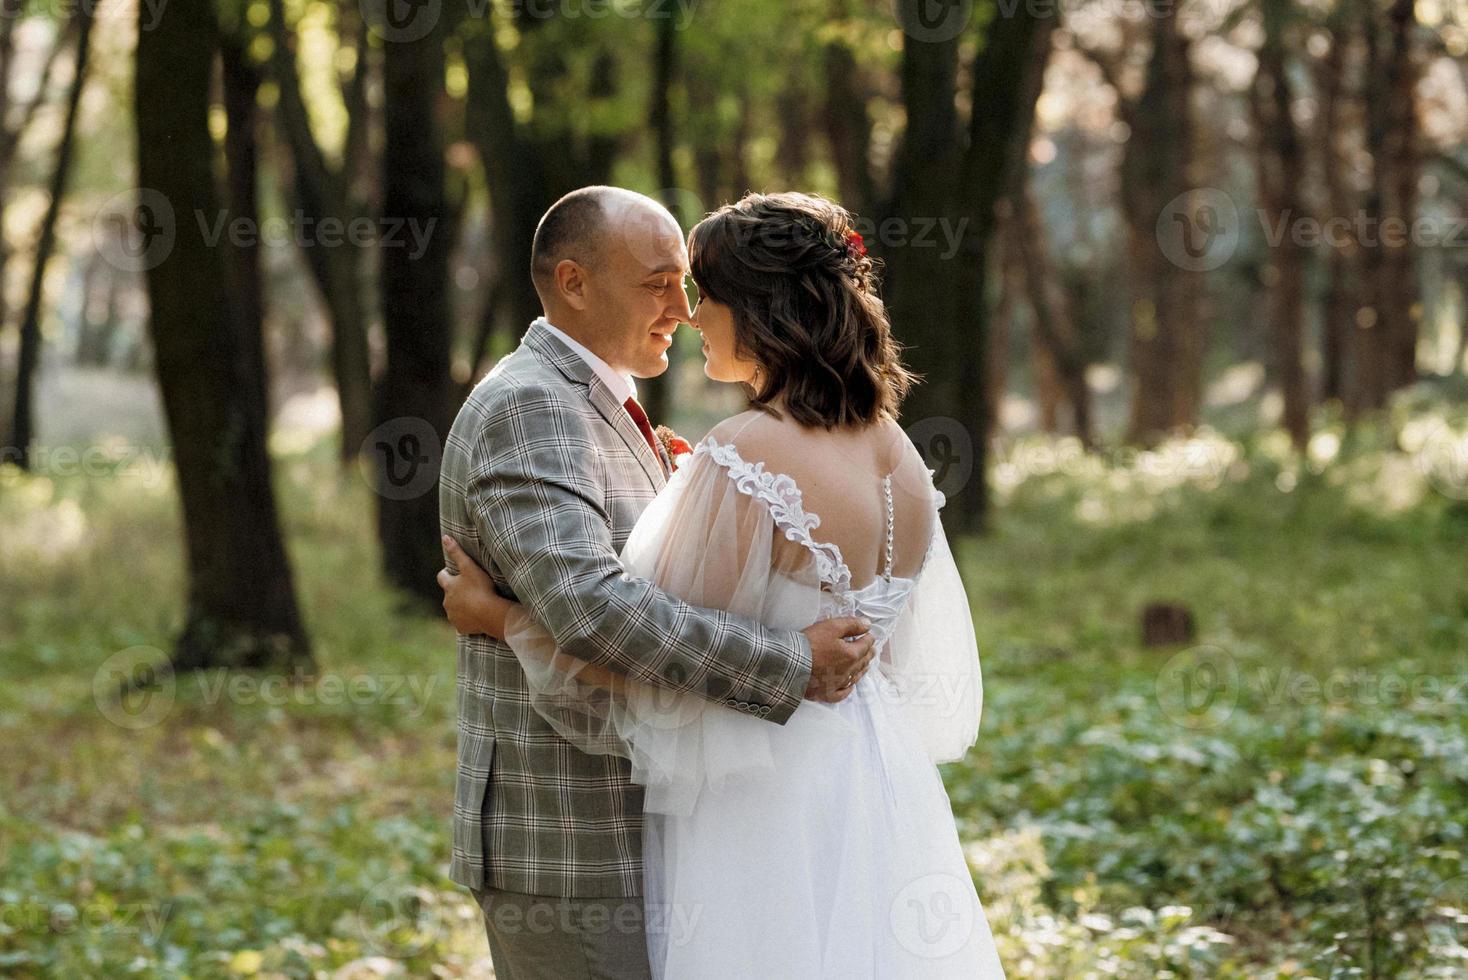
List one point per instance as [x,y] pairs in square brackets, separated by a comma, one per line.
[1198,811]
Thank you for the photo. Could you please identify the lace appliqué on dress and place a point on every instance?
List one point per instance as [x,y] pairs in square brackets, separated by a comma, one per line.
[780,493]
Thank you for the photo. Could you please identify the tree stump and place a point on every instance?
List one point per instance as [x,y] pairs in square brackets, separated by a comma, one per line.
[1166,624]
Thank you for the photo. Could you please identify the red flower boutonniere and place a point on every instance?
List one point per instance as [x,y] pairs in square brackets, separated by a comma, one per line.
[675,444]
[855,244]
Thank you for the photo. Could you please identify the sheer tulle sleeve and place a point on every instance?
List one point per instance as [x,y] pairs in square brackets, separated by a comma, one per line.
[932,658]
[710,539]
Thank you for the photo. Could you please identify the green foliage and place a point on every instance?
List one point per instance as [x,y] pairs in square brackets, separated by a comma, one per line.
[1311,807]
[1283,798]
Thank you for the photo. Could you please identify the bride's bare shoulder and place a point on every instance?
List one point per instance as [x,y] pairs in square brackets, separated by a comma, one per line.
[785,445]
[754,432]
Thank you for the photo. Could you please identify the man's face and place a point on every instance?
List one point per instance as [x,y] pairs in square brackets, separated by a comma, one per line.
[636,293]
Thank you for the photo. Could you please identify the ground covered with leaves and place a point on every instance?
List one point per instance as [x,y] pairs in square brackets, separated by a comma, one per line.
[1283,796]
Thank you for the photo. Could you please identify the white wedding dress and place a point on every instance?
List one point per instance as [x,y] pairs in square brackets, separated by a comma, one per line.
[824,847]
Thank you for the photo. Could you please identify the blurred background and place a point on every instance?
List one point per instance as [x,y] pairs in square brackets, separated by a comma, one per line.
[1188,284]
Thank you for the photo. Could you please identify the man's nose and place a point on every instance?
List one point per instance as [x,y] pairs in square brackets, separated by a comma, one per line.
[681,309]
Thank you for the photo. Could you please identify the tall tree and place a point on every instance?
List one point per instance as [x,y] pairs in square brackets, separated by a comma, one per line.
[1058,354]
[955,171]
[1342,298]
[22,419]
[656,393]
[414,397]
[847,126]
[241,607]
[13,127]
[324,192]
[1386,341]
[241,78]
[1281,154]
[530,161]
[1167,339]
[1167,330]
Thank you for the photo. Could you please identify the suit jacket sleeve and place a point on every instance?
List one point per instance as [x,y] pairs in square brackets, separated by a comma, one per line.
[538,508]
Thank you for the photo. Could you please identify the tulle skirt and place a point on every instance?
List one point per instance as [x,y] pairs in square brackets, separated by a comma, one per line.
[835,857]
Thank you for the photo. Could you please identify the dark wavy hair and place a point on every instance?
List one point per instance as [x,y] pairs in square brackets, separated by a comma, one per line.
[805,305]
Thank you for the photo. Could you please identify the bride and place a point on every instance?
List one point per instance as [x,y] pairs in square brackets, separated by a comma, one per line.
[824,847]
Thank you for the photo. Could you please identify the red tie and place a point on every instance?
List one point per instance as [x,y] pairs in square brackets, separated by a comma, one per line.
[640,417]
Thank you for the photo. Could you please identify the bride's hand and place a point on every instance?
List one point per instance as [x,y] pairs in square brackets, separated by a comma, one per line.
[469,597]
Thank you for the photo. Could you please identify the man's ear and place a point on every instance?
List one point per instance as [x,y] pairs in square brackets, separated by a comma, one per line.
[570,281]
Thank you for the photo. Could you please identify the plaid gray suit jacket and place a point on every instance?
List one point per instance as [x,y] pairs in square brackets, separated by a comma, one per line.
[544,475]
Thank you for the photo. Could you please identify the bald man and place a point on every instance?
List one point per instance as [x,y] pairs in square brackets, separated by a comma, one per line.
[547,468]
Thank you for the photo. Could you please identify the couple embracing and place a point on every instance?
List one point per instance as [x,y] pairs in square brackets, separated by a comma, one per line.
[702,695]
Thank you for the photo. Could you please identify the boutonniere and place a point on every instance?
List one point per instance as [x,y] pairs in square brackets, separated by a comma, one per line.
[673,443]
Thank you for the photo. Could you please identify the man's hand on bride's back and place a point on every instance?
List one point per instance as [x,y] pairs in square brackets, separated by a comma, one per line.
[841,650]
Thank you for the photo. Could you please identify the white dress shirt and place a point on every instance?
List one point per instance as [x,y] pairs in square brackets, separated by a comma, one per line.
[621,385]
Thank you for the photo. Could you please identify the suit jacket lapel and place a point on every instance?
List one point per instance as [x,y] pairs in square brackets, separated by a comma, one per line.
[575,368]
[613,411]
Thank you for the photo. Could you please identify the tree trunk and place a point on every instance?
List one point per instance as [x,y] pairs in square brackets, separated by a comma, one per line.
[414,397]
[1060,362]
[1167,341]
[322,193]
[1460,356]
[919,284]
[518,189]
[847,127]
[23,418]
[1386,343]
[656,394]
[1404,174]
[1281,180]
[241,602]
[1341,299]
[10,139]
[1370,379]
[241,85]
[937,300]
[10,11]
[1001,326]
[94,335]
[1008,74]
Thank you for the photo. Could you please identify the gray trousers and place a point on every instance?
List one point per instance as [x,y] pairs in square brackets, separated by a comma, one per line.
[541,937]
